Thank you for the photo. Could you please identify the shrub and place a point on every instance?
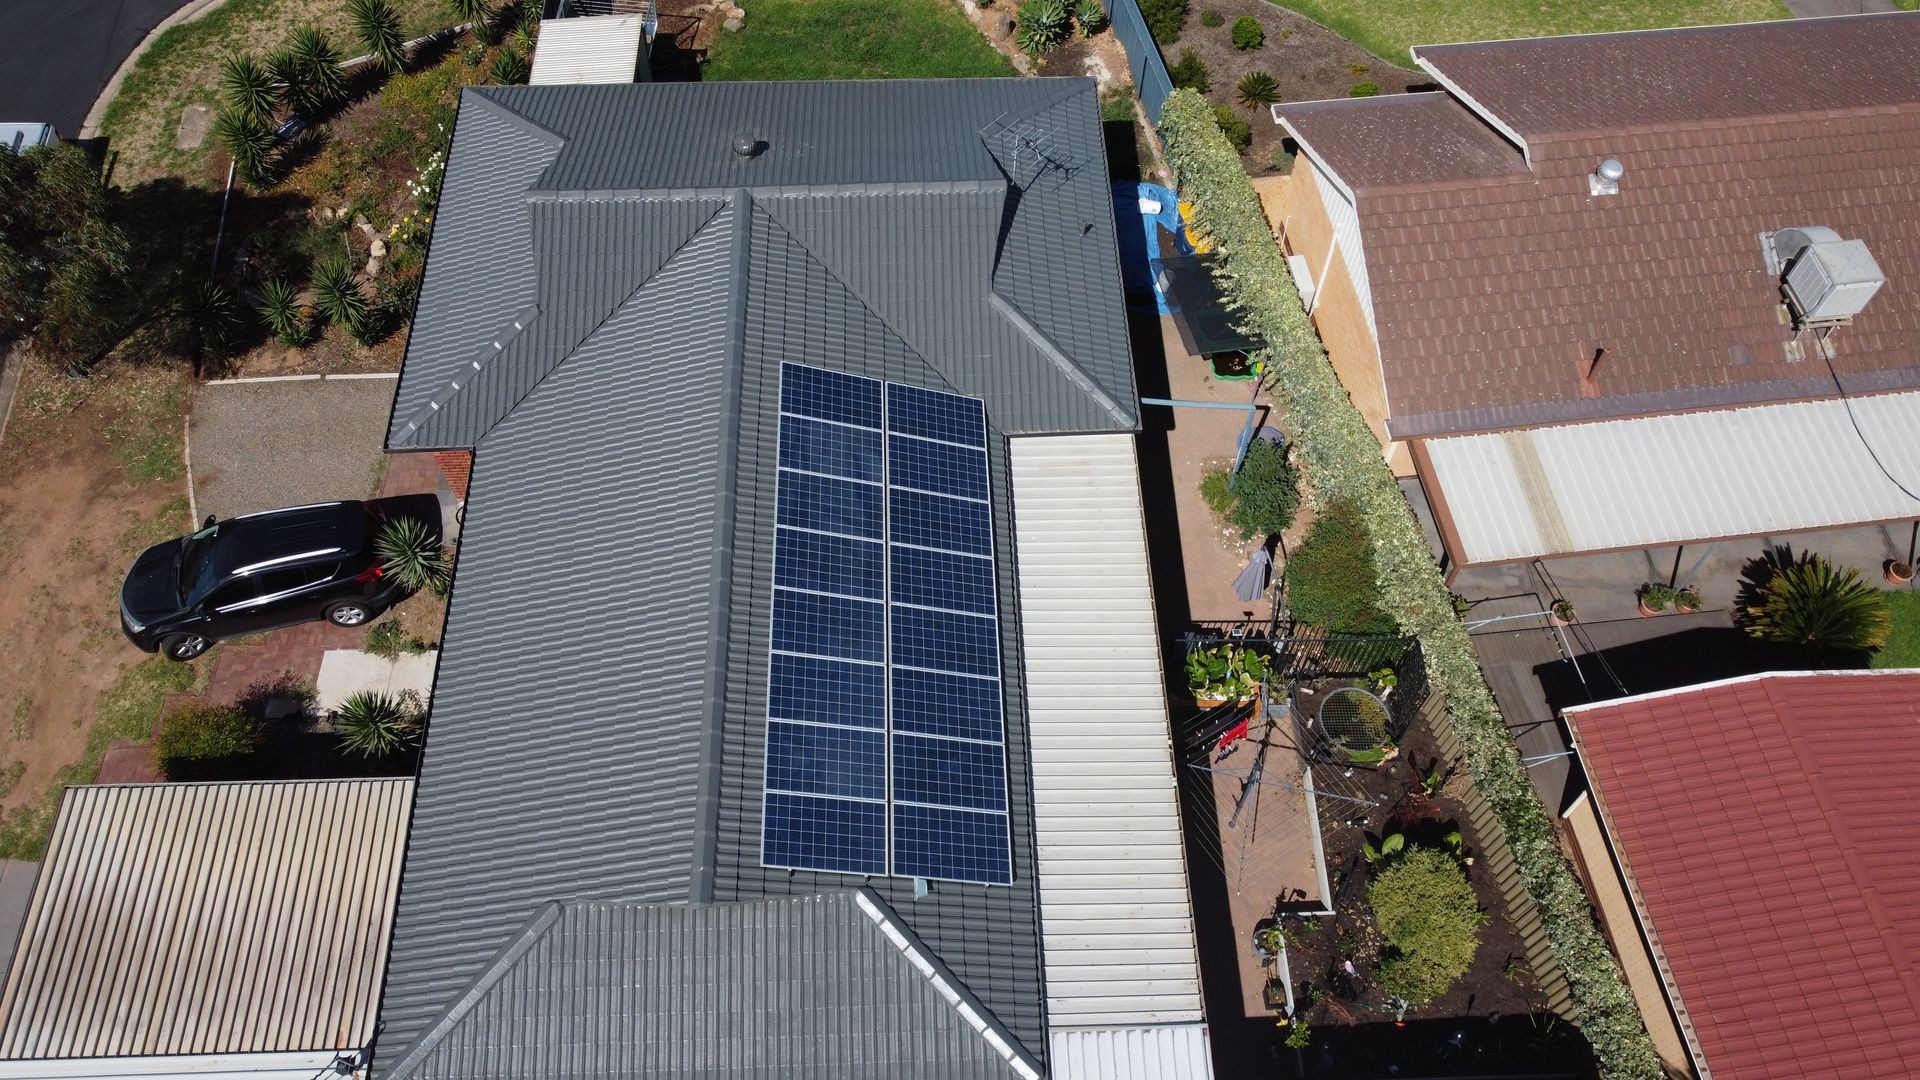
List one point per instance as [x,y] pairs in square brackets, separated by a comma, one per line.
[1190,72]
[1247,33]
[323,86]
[509,68]
[1090,16]
[249,142]
[1331,580]
[206,742]
[379,30]
[1263,498]
[408,549]
[1043,26]
[337,293]
[1807,601]
[1365,89]
[1233,126]
[1116,106]
[248,89]
[1341,456]
[1257,88]
[280,310]
[376,725]
[1212,18]
[1425,908]
[1226,672]
[1282,159]
[1355,69]
[1165,19]
[1216,489]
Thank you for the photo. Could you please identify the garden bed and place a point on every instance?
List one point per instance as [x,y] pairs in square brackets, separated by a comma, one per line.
[1307,61]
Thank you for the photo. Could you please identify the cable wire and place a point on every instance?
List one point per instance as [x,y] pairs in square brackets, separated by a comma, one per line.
[1847,400]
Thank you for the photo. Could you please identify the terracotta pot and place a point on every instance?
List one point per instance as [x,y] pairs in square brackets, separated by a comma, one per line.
[1554,618]
[1897,572]
[1645,611]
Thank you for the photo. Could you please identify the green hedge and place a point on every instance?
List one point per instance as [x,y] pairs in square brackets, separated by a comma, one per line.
[1341,455]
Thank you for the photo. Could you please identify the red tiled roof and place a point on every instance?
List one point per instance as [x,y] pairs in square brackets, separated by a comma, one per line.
[1491,292]
[1401,140]
[1768,827]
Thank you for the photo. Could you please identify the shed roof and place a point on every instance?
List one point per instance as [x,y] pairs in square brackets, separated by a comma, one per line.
[1763,824]
[208,919]
[1491,297]
[588,49]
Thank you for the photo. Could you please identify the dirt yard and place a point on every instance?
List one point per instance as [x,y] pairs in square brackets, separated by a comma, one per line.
[1310,63]
[89,475]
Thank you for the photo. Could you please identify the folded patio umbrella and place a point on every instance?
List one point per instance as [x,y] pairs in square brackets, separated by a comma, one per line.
[1252,582]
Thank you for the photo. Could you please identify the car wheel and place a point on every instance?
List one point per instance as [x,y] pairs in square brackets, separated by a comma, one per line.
[347,614]
[184,647]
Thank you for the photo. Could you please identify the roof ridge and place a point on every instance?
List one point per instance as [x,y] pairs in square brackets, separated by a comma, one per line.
[511,953]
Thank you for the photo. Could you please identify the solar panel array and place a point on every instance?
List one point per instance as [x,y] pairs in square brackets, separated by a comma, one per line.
[886,749]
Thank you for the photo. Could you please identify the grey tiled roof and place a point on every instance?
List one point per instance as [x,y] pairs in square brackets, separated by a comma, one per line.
[801,988]
[599,718]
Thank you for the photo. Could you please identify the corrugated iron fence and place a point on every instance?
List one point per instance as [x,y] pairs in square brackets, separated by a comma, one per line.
[1150,78]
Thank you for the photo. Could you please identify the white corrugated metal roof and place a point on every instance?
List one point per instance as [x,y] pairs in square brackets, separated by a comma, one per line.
[588,49]
[208,919]
[1657,480]
[1115,915]
[1173,1052]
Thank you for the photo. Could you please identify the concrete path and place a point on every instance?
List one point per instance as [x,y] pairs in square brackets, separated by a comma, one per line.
[346,672]
[60,54]
[1817,9]
[257,446]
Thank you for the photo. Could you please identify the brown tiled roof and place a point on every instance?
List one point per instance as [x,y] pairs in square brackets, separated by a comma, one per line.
[1765,824]
[1400,140]
[1490,296]
[1596,82]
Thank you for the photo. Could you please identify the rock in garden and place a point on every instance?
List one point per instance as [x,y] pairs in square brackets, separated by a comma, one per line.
[734,24]
[379,247]
[1022,65]
[195,121]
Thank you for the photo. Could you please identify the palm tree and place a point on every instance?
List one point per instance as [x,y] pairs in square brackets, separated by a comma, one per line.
[249,89]
[323,83]
[337,294]
[1808,601]
[280,310]
[249,142]
[1257,88]
[379,29]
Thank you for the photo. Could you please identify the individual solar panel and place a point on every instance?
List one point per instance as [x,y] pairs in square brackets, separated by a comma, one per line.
[885,734]
[803,832]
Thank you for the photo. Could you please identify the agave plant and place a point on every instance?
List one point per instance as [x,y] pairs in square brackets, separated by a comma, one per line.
[323,85]
[408,549]
[379,30]
[1257,88]
[375,725]
[509,68]
[248,89]
[249,142]
[1808,601]
[1043,26]
[1091,17]
[337,294]
[280,310]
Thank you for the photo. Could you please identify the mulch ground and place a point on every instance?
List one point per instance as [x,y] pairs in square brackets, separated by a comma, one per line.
[1310,62]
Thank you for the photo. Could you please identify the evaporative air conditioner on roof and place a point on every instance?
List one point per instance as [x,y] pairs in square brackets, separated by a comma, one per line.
[1827,280]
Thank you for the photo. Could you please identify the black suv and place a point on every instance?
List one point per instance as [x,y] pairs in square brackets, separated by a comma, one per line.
[253,573]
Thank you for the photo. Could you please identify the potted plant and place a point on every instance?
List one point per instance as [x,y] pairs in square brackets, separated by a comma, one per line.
[1269,939]
[1561,612]
[1218,674]
[1274,994]
[1654,598]
[1897,571]
[1384,680]
[1686,599]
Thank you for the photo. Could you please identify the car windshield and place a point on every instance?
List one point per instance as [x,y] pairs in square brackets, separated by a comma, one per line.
[196,563]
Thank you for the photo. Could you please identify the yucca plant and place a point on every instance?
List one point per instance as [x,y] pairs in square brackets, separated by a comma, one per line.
[280,310]
[1091,17]
[379,30]
[409,550]
[509,68]
[248,89]
[468,11]
[214,319]
[1043,26]
[369,326]
[376,725]
[249,143]
[337,294]
[323,84]
[1257,88]
[287,83]
[1808,601]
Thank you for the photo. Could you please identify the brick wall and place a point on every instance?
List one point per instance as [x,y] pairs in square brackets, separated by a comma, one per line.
[457,466]
[1300,220]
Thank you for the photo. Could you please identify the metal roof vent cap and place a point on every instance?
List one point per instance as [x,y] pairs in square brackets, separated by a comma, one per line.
[746,147]
[1605,180]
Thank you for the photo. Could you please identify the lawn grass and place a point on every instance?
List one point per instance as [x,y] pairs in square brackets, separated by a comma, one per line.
[1389,28]
[853,39]
[1902,649]
[125,710]
[182,68]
